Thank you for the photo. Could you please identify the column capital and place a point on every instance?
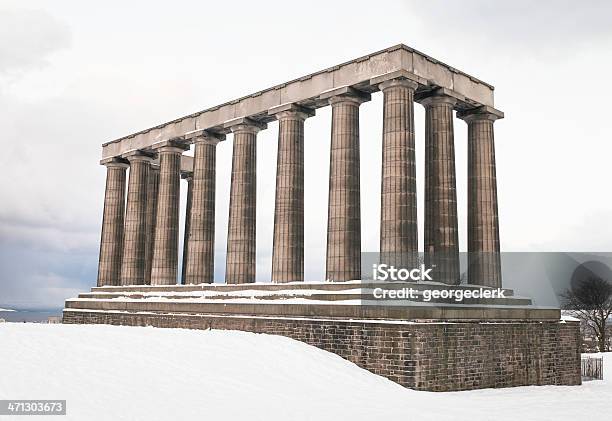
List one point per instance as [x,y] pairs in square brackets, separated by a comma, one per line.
[403,82]
[138,155]
[437,98]
[170,146]
[291,111]
[205,136]
[483,112]
[345,94]
[244,125]
[398,74]
[115,161]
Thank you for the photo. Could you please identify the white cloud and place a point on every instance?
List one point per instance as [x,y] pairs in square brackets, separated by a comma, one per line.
[27,38]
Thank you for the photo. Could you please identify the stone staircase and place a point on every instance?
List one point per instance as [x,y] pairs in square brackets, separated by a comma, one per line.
[354,300]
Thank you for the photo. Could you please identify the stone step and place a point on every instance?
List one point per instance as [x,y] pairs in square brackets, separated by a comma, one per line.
[320,286]
[405,311]
[308,295]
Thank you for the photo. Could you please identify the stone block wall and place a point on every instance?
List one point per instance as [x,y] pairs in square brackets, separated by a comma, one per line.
[422,355]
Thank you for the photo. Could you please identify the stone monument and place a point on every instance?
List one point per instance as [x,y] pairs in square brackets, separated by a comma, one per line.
[436,344]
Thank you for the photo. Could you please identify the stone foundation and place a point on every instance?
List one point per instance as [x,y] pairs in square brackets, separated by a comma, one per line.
[422,355]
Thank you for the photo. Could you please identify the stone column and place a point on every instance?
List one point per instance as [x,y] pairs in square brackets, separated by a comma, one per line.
[201,254]
[398,215]
[111,242]
[441,227]
[152,191]
[344,209]
[134,236]
[241,247]
[484,263]
[288,243]
[164,269]
[188,177]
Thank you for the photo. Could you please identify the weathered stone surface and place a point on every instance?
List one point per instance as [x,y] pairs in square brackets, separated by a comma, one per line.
[241,262]
[367,310]
[165,247]
[188,177]
[398,215]
[370,293]
[151,219]
[363,295]
[484,261]
[201,256]
[344,215]
[319,286]
[419,355]
[306,90]
[135,232]
[111,242]
[288,240]
[441,225]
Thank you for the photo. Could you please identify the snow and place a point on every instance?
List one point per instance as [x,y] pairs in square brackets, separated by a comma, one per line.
[300,284]
[290,294]
[6,309]
[596,354]
[567,318]
[307,301]
[125,373]
[252,293]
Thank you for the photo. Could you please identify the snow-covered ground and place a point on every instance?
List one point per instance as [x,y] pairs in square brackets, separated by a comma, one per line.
[130,373]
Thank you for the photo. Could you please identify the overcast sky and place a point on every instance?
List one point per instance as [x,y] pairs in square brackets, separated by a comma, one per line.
[75,74]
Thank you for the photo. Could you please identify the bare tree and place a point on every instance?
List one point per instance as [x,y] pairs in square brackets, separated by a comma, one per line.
[590,300]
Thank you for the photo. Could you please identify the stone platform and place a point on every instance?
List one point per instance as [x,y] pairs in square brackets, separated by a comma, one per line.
[436,345]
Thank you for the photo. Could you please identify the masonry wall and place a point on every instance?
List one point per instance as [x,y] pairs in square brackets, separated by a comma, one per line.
[423,355]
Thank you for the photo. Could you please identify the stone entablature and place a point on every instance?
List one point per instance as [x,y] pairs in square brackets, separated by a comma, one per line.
[364,74]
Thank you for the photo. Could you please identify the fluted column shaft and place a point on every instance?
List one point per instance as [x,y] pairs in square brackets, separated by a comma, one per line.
[152,191]
[441,226]
[201,253]
[484,265]
[164,269]
[111,242]
[288,243]
[398,216]
[188,206]
[343,260]
[134,235]
[241,246]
